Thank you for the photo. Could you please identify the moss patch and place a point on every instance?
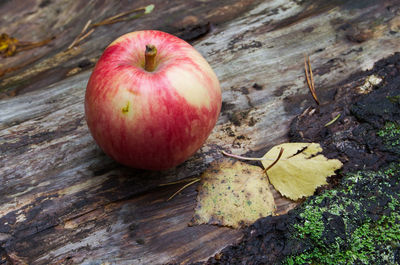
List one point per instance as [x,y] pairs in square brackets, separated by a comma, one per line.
[390,135]
[359,223]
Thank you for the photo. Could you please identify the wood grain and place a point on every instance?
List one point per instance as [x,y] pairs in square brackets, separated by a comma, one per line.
[62,201]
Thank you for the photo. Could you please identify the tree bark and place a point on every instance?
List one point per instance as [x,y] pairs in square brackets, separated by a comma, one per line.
[63,201]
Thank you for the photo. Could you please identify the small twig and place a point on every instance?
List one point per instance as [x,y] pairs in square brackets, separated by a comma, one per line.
[306,70]
[30,45]
[310,78]
[177,182]
[184,187]
[116,18]
[9,45]
[84,36]
[88,29]
[276,160]
[332,121]
[80,34]
[86,26]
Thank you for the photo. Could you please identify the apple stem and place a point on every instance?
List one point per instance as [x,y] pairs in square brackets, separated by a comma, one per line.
[149,58]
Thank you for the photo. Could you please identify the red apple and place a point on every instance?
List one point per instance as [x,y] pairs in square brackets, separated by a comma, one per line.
[152,100]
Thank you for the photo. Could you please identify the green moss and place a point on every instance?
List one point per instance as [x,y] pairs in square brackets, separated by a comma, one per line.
[313,225]
[390,134]
[394,99]
[385,233]
[365,238]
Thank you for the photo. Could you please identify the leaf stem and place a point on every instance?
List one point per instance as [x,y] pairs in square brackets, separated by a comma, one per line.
[276,160]
[243,157]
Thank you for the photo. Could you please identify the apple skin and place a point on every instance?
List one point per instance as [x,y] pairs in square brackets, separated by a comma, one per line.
[151,120]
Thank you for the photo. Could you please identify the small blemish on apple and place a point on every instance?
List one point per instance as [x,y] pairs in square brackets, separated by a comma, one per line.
[126,108]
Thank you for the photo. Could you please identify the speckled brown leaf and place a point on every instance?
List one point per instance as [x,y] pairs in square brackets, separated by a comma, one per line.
[233,194]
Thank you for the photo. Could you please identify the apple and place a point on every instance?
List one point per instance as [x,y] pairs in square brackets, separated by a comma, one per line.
[152,100]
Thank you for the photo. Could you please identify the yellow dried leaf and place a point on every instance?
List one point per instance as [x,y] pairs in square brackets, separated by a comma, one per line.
[8,45]
[300,170]
[233,194]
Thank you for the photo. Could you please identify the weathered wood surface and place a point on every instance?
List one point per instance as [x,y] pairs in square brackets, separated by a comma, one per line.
[62,201]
